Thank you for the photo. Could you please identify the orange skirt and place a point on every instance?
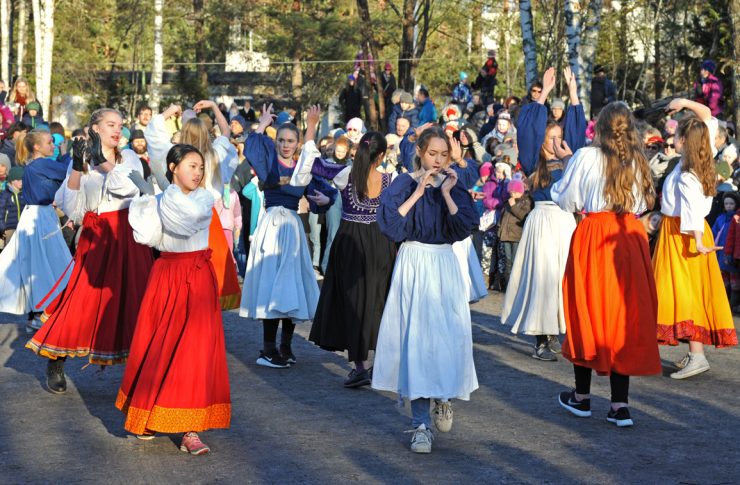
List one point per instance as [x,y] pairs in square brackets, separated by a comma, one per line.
[609,297]
[224,263]
[692,302]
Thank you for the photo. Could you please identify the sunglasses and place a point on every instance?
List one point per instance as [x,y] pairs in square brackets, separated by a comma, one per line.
[536,91]
[670,145]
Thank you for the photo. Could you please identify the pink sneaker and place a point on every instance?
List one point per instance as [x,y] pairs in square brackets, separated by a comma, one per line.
[192,444]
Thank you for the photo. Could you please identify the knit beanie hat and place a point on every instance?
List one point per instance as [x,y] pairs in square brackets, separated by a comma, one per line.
[15,173]
[407,98]
[707,65]
[242,122]
[516,185]
[357,124]
[558,103]
[33,105]
[137,135]
[283,117]
[486,169]
[505,167]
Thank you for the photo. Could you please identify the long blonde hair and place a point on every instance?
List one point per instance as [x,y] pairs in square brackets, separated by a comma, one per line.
[696,154]
[195,133]
[21,152]
[626,164]
[30,96]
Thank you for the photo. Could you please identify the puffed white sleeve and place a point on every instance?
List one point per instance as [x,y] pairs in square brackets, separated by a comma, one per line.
[302,174]
[713,126]
[310,163]
[228,158]
[71,202]
[185,215]
[143,215]
[568,192]
[117,180]
[158,144]
[691,199]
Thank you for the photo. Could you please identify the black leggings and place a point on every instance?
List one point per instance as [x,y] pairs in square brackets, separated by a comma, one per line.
[270,327]
[620,384]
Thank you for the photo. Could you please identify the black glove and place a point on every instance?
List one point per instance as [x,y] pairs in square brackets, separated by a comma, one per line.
[96,148]
[144,187]
[79,147]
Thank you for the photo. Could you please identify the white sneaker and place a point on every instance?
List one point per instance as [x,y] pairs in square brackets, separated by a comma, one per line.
[697,364]
[421,441]
[683,362]
[442,416]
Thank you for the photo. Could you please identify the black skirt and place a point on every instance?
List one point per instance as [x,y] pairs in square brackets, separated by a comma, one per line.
[355,288]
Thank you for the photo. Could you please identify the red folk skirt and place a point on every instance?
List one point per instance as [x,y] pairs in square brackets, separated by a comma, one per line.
[176,378]
[96,313]
[609,296]
[223,262]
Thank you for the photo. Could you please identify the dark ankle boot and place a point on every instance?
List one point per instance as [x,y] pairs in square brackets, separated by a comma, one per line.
[735,302]
[55,380]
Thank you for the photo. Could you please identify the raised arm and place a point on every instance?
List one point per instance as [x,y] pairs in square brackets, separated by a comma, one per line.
[223,125]
[701,111]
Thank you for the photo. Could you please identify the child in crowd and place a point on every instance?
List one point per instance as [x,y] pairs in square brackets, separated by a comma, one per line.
[513,214]
[11,205]
[721,230]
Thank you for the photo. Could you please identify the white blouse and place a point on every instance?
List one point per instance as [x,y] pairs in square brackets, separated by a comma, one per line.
[99,191]
[172,221]
[683,195]
[158,144]
[582,186]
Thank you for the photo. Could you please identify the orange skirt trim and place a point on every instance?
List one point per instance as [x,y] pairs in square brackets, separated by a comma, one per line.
[230,293]
[94,358]
[692,300]
[173,420]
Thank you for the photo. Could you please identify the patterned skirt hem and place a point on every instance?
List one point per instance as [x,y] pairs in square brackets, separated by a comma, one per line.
[672,334]
[94,357]
[173,420]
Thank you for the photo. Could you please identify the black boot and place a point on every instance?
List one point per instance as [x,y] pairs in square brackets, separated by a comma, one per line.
[55,380]
[735,302]
[286,339]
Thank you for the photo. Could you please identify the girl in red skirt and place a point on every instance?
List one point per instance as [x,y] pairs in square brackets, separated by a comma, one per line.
[95,314]
[176,379]
[609,292]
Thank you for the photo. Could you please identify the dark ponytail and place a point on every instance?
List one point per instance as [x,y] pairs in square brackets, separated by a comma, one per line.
[372,146]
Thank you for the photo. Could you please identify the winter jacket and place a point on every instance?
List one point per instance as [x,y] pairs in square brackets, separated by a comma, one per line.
[427,113]
[33,121]
[732,243]
[512,219]
[603,92]
[351,101]
[11,206]
[721,229]
[709,93]
[495,193]
[398,112]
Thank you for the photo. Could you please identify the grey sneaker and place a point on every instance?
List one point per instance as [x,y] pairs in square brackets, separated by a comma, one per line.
[697,364]
[421,441]
[442,416]
[683,362]
[553,344]
[542,352]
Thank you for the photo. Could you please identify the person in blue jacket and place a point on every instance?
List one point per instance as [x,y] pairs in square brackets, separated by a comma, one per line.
[539,263]
[35,264]
[427,111]
[279,282]
[425,347]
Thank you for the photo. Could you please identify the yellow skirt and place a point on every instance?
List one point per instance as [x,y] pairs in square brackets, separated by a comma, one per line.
[692,302]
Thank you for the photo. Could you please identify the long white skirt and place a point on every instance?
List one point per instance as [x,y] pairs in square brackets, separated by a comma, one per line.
[280,281]
[471,268]
[425,342]
[533,304]
[33,261]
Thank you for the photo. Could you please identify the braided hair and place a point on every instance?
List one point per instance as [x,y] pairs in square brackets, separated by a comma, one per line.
[626,163]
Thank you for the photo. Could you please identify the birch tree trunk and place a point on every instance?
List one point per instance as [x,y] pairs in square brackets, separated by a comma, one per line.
[735,21]
[43,19]
[587,51]
[21,46]
[528,42]
[297,74]
[155,93]
[573,36]
[5,40]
